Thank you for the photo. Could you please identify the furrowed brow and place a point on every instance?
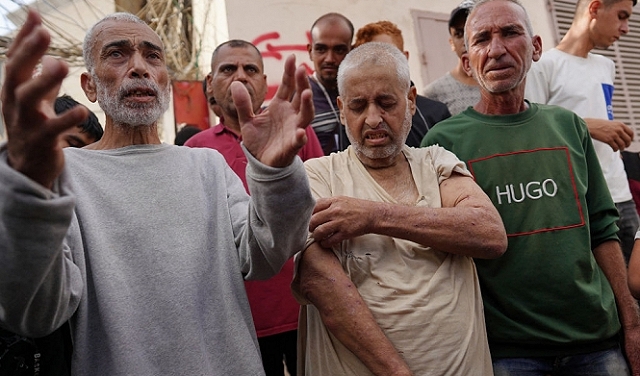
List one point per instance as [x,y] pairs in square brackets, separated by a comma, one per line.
[151,46]
[513,28]
[117,43]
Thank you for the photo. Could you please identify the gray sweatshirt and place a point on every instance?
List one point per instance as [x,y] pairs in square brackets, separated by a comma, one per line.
[144,249]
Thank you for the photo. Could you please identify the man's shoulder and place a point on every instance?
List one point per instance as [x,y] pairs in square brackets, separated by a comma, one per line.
[553,110]
[439,85]
[460,120]
[445,78]
[552,54]
[601,59]
[429,105]
[206,138]
[421,153]
[549,59]
[555,57]
[446,132]
[327,162]
[438,157]
[422,101]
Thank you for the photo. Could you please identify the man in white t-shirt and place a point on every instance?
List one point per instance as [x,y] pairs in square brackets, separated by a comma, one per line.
[572,77]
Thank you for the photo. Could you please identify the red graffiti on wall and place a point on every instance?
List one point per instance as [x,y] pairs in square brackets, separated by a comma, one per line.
[269,50]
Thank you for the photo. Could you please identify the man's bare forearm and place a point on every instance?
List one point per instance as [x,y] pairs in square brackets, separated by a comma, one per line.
[345,314]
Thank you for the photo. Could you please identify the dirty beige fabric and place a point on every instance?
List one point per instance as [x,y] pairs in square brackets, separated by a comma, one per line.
[427,302]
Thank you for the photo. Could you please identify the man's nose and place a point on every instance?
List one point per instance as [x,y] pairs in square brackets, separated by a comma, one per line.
[241,75]
[330,57]
[373,116]
[624,28]
[496,47]
[139,67]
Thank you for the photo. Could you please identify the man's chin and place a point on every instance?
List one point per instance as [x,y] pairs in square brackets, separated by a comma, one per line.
[331,80]
[136,118]
[141,106]
[133,123]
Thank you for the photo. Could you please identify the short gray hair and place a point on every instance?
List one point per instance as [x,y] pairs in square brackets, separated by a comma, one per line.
[90,38]
[527,20]
[379,54]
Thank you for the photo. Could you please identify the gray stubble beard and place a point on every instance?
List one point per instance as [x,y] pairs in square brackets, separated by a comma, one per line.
[124,114]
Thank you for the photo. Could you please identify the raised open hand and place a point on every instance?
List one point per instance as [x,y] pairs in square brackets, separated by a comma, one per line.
[276,135]
[27,104]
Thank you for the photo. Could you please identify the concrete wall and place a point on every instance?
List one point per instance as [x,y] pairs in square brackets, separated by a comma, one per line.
[278,27]
[70,18]
[283,25]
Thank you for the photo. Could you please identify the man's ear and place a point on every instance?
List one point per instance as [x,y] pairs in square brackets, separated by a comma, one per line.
[309,48]
[89,86]
[465,64]
[341,110]
[537,47]
[594,7]
[209,86]
[266,85]
[411,97]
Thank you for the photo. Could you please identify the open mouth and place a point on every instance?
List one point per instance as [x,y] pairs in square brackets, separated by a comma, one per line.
[376,136]
[140,93]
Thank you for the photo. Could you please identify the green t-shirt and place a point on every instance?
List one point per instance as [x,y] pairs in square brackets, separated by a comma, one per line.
[546,296]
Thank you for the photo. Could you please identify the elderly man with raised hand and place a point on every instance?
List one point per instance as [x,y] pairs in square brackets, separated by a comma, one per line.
[557,302]
[142,246]
[387,280]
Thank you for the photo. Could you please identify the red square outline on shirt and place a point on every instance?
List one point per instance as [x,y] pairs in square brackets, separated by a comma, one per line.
[573,185]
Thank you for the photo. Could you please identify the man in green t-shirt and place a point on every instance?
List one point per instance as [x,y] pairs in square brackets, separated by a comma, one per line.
[557,302]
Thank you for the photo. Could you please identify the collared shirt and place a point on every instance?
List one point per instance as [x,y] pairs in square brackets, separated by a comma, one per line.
[227,142]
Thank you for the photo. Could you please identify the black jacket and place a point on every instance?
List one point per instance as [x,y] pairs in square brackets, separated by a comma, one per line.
[428,113]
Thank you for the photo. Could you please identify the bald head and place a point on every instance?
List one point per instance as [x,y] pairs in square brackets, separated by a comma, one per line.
[332,19]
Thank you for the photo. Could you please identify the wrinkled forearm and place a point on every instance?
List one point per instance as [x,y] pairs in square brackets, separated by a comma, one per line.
[471,231]
[345,314]
[609,257]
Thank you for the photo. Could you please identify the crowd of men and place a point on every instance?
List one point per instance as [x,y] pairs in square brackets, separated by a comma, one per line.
[314,234]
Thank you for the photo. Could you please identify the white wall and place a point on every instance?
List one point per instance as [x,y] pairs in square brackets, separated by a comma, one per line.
[248,19]
[285,24]
[74,18]
[70,18]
